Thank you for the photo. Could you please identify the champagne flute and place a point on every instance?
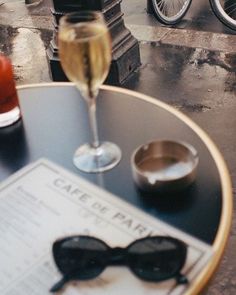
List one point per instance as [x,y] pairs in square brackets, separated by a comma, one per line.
[85,56]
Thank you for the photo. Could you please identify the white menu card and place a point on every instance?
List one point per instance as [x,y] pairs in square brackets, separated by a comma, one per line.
[43,202]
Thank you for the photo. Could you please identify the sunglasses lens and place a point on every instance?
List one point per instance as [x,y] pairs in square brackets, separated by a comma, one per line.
[80,257]
[156,258]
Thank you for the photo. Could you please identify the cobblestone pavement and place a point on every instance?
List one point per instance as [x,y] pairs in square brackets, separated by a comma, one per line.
[192,67]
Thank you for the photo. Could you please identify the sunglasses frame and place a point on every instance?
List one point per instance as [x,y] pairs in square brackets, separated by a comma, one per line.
[120,256]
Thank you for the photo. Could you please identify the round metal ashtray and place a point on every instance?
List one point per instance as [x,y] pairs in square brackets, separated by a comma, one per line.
[164,165]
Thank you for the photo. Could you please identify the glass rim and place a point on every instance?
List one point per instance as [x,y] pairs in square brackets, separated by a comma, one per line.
[92,16]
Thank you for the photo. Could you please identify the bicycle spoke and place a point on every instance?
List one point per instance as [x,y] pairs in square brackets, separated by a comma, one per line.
[229,8]
[160,4]
[231,11]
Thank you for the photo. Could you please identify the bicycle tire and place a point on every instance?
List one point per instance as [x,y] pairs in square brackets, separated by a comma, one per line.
[170,12]
[226,13]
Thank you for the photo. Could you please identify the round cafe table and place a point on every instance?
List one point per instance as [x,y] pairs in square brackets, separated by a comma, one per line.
[55,123]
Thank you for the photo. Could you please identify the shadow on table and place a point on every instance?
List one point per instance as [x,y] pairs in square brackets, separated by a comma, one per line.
[171,202]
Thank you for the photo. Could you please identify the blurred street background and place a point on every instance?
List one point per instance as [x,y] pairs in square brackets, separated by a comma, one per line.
[191,66]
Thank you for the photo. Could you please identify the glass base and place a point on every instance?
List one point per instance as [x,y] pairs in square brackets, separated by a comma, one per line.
[10,117]
[103,158]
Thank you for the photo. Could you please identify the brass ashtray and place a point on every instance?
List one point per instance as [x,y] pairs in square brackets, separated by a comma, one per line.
[164,165]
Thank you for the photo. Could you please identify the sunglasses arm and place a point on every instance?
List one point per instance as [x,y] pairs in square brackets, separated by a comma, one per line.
[59,285]
[181,279]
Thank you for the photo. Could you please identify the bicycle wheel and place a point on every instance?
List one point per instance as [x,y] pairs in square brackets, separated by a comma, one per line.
[170,12]
[225,10]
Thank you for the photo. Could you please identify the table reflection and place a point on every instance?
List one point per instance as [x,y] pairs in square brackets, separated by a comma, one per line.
[14,152]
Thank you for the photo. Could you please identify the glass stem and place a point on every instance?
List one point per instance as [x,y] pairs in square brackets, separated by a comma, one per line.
[93,121]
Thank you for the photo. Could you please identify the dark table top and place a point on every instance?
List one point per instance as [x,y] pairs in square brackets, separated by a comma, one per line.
[55,123]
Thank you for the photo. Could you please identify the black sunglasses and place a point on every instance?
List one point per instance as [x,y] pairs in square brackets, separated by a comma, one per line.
[153,259]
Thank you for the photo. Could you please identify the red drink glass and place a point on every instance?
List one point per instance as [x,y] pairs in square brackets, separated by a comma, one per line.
[9,104]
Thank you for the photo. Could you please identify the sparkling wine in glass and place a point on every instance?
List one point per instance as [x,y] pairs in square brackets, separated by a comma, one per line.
[85,56]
